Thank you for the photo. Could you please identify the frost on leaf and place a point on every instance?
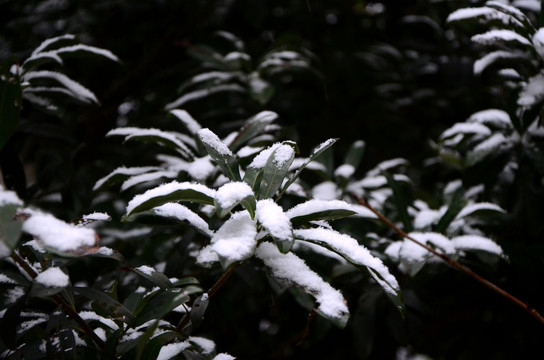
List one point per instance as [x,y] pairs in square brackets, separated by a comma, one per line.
[291,268]
[174,191]
[182,213]
[234,241]
[352,251]
[58,236]
[271,216]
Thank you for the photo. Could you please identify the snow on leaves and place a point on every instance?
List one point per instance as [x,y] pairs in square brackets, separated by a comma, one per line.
[291,268]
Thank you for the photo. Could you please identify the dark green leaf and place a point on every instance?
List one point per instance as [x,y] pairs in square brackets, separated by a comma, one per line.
[274,172]
[253,177]
[157,278]
[318,150]
[400,201]
[355,153]
[330,214]
[220,153]
[114,308]
[10,229]
[161,304]
[254,126]
[143,339]
[198,309]
[10,103]
[457,203]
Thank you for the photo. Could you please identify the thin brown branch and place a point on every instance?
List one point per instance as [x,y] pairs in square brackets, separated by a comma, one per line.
[454,263]
[59,301]
[215,287]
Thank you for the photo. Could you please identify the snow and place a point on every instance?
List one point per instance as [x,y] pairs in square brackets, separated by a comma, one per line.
[53,277]
[147,177]
[260,160]
[234,241]
[345,171]
[471,208]
[207,346]
[481,64]
[533,92]
[123,171]
[327,190]
[170,350]
[271,216]
[386,165]
[236,55]
[201,168]
[190,123]
[96,216]
[9,197]
[6,280]
[213,141]
[230,194]
[77,90]
[133,132]
[349,248]
[81,47]
[497,117]
[427,217]
[167,189]
[443,244]
[493,36]
[490,144]
[475,242]
[224,356]
[248,151]
[312,165]
[182,213]
[56,234]
[104,251]
[466,128]
[91,315]
[293,269]
[531,5]
[282,155]
[147,270]
[50,41]
[485,13]
[198,94]
[317,205]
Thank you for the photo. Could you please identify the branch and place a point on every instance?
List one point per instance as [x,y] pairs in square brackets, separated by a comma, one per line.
[59,301]
[454,263]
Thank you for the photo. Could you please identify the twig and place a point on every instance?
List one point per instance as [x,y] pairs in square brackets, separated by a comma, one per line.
[454,263]
[215,287]
[59,301]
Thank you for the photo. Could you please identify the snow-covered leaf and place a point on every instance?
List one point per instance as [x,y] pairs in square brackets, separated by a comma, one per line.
[492,146]
[272,218]
[479,209]
[495,36]
[291,268]
[466,128]
[495,56]
[171,192]
[234,241]
[191,124]
[49,282]
[232,194]
[182,213]
[318,150]
[157,278]
[533,92]
[170,140]
[121,174]
[492,117]
[275,170]
[314,209]
[107,303]
[477,243]
[358,255]
[220,153]
[76,90]
[253,126]
[202,93]
[483,15]
[58,236]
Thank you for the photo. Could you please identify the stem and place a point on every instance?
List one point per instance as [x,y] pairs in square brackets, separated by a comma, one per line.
[59,301]
[455,264]
[215,287]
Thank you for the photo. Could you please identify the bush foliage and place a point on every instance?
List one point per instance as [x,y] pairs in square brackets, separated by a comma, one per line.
[193,200]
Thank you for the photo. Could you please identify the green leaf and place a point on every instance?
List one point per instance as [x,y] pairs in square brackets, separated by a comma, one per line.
[121,174]
[355,153]
[275,170]
[167,139]
[253,177]
[10,230]
[312,210]
[457,203]
[161,304]
[198,309]
[10,103]
[157,278]
[254,126]
[143,339]
[171,192]
[114,308]
[400,201]
[42,291]
[153,347]
[318,150]
[220,153]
